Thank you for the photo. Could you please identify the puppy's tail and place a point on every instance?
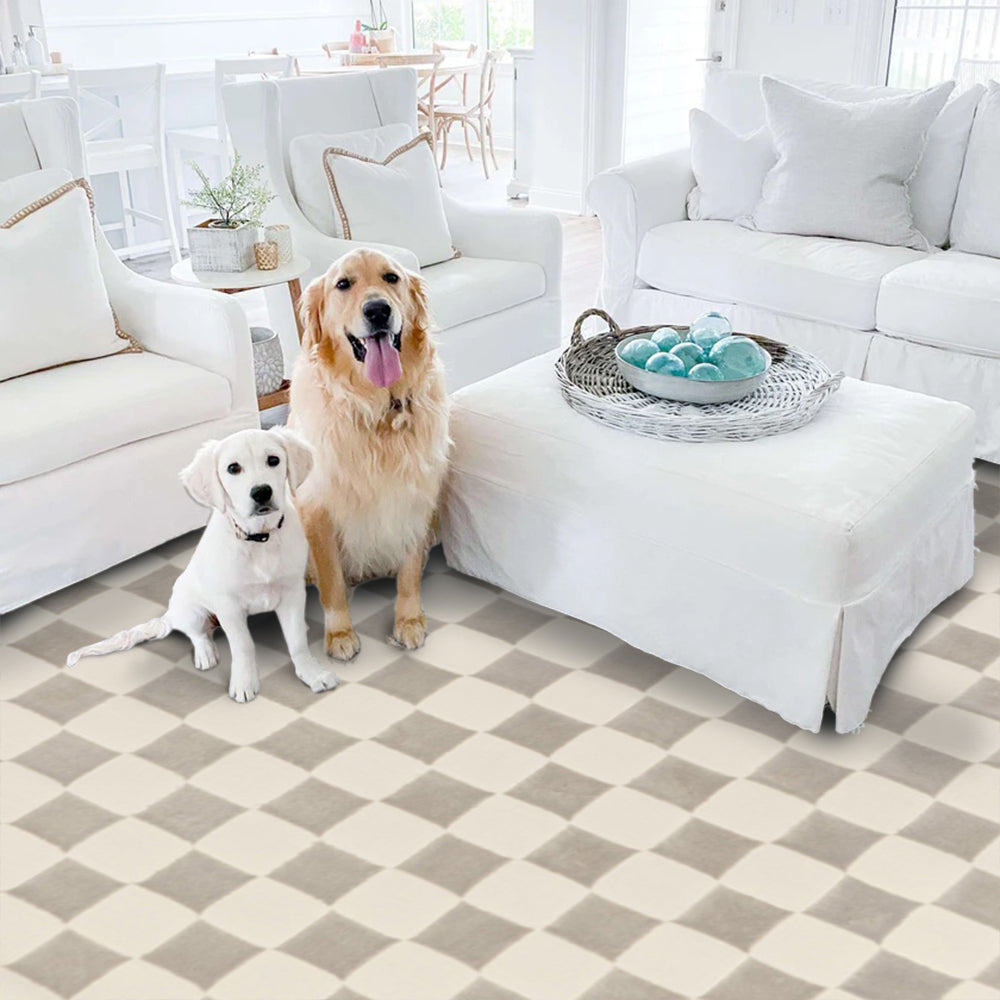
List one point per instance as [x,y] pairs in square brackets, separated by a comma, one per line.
[155,628]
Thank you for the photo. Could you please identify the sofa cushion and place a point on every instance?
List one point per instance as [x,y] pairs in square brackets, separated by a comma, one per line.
[950,299]
[53,418]
[975,226]
[466,288]
[811,277]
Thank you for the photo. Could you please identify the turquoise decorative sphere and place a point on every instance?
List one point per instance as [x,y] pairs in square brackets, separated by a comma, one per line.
[706,372]
[638,352]
[689,353]
[738,357]
[666,364]
[665,338]
[708,329]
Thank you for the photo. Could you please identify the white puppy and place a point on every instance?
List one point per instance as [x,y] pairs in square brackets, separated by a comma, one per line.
[251,558]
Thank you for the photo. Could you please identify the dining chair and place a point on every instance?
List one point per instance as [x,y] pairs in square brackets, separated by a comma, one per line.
[213,140]
[477,116]
[465,50]
[20,86]
[122,112]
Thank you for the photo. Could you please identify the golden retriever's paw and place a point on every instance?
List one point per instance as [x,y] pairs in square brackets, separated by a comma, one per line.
[343,644]
[409,633]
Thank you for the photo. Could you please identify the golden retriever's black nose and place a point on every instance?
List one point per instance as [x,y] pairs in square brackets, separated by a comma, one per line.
[377,312]
[261,494]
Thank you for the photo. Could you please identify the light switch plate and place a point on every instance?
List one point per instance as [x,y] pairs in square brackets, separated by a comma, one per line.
[837,12]
[782,11]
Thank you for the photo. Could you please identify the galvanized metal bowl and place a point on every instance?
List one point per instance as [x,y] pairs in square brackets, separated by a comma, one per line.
[686,390]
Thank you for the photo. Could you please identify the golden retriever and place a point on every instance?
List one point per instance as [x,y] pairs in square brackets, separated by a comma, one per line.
[368,394]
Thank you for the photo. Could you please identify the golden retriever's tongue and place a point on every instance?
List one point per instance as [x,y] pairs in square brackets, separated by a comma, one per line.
[382,367]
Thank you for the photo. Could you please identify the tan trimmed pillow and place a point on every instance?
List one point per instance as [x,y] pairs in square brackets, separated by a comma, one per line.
[396,200]
[55,306]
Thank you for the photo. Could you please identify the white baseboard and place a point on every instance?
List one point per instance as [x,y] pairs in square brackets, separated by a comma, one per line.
[558,199]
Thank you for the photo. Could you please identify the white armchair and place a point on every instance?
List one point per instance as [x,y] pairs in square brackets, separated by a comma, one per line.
[90,452]
[495,305]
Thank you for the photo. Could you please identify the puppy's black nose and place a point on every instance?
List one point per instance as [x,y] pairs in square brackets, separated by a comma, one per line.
[261,494]
[377,312]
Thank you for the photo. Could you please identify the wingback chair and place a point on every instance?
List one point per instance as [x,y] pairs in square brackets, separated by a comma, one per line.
[90,451]
[495,305]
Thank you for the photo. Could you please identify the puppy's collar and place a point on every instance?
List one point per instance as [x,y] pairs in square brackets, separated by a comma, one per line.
[259,536]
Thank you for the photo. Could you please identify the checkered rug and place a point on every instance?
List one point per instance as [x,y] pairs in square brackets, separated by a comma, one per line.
[525,808]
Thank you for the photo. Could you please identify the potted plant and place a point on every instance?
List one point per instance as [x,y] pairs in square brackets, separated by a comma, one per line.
[225,241]
[380,34]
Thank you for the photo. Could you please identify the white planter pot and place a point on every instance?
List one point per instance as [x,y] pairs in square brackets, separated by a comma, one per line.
[384,41]
[268,364]
[220,249]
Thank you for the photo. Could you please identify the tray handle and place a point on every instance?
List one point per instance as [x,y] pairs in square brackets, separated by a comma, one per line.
[828,385]
[613,328]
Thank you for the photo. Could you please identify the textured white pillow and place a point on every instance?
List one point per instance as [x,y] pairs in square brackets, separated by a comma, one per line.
[55,309]
[396,200]
[842,168]
[975,226]
[305,157]
[729,169]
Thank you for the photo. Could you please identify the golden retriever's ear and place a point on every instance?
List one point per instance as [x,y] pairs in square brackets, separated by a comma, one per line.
[311,312]
[201,477]
[298,454]
[419,314]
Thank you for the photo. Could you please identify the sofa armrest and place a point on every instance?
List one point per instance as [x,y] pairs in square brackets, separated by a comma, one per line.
[200,327]
[522,234]
[630,200]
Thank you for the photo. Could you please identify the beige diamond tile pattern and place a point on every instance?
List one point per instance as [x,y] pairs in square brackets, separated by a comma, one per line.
[525,809]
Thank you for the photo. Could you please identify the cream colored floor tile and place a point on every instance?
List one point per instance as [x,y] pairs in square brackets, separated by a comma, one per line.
[925,631]
[129,850]
[122,724]
[654,885]
[543,965]
[358,710]
[982,614]
[20,622]
[132,921]
[255,842]
[273,974]
[21,729]
[382,834]
[588,697]
[111,611]
[473,703]
[526,894]
[722,746]
[489,762]
[961,734]
[130,571]
[813,950]
[969,990]
[875,802]
[20,988]
[508,827]
[24,856]
[680,959]
[855,752]
[370,770]
[375,654]
[21,671]
[249,777]
[945,941]
[140,979]
[461,650]
[409,971]
[694,692]
[975,791]
[781,877]
[753,810]
[227,720]
[912,870]
[126,784]
[122,672]
[450,599]
[928,677]
[988,859]
[634,819]
[23,790]
[396,904]
[986,577]
[608,755]
[569,642]
[264,912]
[23,928]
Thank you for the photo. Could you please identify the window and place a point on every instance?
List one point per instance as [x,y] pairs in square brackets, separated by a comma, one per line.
[438,21]
[936,40]
[510,23]
[489,23]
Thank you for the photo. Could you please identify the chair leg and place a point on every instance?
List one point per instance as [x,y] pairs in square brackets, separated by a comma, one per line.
[493,152]
[468,148]
[128,220]
[444,145]
[481,136]
[177,164]
[168,208]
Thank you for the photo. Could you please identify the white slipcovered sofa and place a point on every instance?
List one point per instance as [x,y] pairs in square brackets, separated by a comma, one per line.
[90,452]
[495,305]
[928,322]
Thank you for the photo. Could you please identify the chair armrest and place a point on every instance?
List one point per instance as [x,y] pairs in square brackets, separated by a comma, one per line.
[630,200]
[523,234]
[198,326]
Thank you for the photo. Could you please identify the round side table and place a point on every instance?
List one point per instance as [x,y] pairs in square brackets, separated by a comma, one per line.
[231,282]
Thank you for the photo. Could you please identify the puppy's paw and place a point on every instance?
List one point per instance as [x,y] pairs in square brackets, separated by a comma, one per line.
[316,678]
[409,633]
[343,644]
[206,656]
[243,688]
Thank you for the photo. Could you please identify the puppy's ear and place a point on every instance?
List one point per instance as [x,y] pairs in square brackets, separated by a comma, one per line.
[420,318]
[201,478]
[299,456]
[311,312]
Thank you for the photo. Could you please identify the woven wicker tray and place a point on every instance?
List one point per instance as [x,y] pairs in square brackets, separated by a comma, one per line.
[796,387]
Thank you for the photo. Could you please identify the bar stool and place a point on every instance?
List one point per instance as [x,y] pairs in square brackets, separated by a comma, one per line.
[20,86]
[127,102]
[213,140]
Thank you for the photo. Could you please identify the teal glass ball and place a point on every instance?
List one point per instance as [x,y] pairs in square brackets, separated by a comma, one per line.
[689,353]
[665,338]
[705,372]
[738,357]
[666,364]
[708,329]
[638,352]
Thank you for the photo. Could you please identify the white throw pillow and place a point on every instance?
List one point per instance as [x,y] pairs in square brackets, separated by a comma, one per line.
[396,200]
[55,308]
[729,169]
[842,168]
[975,226]
[305,157]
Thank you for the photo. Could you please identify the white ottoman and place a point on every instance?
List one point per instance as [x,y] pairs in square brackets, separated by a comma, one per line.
[787,569]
